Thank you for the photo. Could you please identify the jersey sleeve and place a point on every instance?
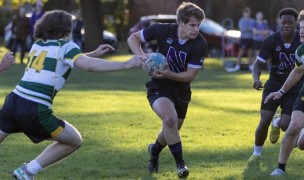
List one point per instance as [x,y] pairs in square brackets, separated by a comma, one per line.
[197,59]
[265,50]
[151,32]
[69,53]
[300,57]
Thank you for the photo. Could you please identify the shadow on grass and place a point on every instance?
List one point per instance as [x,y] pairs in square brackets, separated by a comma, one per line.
[112,152]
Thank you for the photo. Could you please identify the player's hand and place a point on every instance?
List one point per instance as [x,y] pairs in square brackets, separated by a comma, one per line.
[102,49]
[257,85]
[273,96]
[8,61]
[135,61]
[160,74]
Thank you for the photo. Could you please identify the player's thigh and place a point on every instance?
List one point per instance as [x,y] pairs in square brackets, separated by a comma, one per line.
[296,124]
[70,135]
[269,87]
[164,108]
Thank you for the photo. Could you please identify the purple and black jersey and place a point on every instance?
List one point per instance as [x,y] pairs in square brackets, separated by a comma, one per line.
[282,55]
[180,55]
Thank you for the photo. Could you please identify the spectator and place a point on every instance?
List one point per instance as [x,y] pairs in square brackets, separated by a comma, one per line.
[21,30]
[245,25]
[37,14]
[276,27]
[77,26]
[260,31]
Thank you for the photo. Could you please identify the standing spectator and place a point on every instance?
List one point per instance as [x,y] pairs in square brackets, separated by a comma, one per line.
[21,29]
[37,14]
[245,25]
[276,27]
[77,26]
[260,31]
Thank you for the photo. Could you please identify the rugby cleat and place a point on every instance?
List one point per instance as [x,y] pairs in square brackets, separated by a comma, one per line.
[274,131]
[278,172]
[22,174]
[182,170]
[254,158]
[153,162]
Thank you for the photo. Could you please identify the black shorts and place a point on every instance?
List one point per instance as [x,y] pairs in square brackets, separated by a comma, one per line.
[246,43]
[179,96]
[299,103]
[33,119]
[286,102]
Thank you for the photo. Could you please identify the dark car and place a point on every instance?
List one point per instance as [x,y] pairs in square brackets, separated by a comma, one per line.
[218,37]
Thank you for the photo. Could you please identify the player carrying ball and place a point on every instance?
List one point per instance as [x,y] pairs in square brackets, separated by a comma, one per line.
[169,91]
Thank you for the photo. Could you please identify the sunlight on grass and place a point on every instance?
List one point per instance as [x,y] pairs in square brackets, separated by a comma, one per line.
[117,123]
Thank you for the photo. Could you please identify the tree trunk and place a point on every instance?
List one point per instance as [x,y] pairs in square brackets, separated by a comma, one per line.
[92,24]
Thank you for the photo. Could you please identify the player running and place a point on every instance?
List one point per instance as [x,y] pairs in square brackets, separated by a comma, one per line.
[280,48]
[28,108]
[169,91]
[295,133]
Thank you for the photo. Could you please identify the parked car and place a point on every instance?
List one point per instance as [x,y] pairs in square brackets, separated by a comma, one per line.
[107,38]
[217,36]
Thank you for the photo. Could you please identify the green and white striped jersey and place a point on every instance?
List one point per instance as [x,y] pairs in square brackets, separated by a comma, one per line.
[49,65]
[300,56]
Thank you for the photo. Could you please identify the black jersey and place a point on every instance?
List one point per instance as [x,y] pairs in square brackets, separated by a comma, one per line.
[282,57]
[180,55]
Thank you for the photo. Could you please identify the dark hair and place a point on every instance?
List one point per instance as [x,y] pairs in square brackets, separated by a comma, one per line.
[54,24]
[187,10]
[301,16]
[288,11]
[247,9]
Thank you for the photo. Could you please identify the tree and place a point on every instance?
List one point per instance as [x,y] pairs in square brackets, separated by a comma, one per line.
[92,23]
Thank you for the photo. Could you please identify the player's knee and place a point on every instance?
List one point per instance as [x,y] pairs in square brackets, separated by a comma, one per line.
[78,142]
[292,132]
[284,126]
[301,146]
[170,121]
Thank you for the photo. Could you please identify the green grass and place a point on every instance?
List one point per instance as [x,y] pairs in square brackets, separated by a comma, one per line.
[116,122]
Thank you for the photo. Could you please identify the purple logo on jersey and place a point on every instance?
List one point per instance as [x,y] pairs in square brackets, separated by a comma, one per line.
[287,62]
[177,62]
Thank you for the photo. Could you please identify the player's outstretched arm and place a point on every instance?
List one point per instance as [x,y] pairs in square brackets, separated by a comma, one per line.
[87,63]
[256,73]
[294,76]
[7,62]
[100,51]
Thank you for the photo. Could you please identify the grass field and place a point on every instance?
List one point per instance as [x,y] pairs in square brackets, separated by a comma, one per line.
[116,122]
